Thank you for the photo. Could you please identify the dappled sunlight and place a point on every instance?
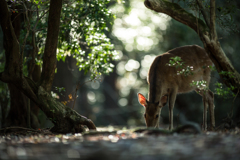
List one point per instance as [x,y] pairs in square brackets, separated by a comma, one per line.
[91,97]
[131,65]
[96,109]
[145,63]
[129,47]
[95,84]
[129,80]
[146,31]
[120,68]
[133,18]
[123,101]
[135,30]
[124,91]
[148,59]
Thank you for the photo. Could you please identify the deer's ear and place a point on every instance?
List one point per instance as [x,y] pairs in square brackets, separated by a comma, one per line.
[142,100]
[164,100]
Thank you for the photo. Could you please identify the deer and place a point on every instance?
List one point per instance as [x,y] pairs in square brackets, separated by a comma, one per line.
[165,83]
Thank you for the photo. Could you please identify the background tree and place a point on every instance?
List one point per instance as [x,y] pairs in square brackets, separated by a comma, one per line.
[90,16]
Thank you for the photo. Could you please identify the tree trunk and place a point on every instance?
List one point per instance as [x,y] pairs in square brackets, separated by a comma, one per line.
[207,33]
[18,114]
[49,57]
[18,109]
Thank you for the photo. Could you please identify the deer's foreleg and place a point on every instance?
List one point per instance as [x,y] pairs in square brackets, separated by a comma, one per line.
[205,103]
[171,102]
[211,108]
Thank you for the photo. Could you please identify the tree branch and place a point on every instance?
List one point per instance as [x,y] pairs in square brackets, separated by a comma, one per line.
[204,13]
[11,44]
[39,18]
[212,20]
[26,36]
[177,13]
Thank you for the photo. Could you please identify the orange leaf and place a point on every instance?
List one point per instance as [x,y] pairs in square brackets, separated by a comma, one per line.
[70,96]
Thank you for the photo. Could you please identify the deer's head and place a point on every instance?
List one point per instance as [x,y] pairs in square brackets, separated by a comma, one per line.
[152,110]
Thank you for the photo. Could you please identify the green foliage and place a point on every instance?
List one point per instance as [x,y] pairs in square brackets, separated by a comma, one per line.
[225,13]
[202,85]
[222,90]
[179,64]
[176,61]
[225,92]
[60,89]
[213,68]
[227,73]
[98,60]
[83,29]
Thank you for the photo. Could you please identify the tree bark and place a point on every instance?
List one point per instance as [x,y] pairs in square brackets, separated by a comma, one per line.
[49,57]
[207,35]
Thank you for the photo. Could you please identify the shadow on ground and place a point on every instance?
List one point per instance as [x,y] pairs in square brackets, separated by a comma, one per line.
[110,143]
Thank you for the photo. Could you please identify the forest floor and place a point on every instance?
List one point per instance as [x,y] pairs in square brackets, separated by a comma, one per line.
[120,144]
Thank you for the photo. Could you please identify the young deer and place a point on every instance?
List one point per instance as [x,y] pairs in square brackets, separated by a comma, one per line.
[165,84]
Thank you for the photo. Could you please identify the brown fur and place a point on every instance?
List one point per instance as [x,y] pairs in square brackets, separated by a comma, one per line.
[164,81]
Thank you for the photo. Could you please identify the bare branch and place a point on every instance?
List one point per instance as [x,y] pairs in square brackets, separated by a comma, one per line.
[28,28]
[34,52]
[38,19]
[204,13]
[75,94]
[212,20]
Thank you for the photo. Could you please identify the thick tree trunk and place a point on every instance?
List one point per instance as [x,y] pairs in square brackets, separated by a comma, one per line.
[206,33]
[18,114]
[49,57]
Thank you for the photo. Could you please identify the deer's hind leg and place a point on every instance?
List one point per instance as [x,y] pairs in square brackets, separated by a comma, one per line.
[209,97]
[211,108]
[205,108]
[171,102]
[208,101]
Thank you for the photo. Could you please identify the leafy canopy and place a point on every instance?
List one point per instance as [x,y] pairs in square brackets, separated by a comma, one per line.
[83,35]
[83,29]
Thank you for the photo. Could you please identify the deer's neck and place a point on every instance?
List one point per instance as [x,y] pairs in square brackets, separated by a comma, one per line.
[155,81]
[154,93]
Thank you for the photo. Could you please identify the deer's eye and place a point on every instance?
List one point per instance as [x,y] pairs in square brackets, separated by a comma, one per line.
[145,115]
[156,116]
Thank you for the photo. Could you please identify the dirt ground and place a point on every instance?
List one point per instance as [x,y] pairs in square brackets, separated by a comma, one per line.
[110,143]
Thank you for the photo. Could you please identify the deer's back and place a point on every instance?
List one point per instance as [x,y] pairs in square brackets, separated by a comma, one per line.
[163,75]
